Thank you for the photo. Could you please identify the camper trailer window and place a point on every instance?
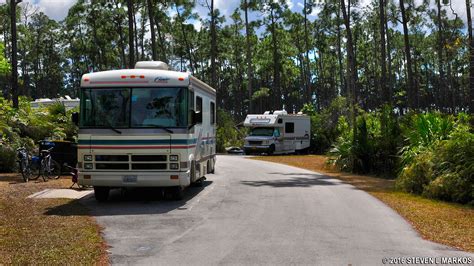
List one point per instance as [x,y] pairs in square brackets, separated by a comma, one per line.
[198,104]
[289,127]
[213,113]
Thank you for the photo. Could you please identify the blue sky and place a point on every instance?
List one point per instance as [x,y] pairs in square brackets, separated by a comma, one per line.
[57,9]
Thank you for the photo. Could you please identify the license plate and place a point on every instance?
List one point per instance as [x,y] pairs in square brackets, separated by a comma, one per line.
[254,148]
[129,178]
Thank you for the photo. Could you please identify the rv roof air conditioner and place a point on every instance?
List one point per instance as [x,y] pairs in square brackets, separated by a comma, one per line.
[152,65]
[280,112]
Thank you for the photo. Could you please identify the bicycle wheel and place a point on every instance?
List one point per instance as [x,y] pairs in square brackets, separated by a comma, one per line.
[54,171]
[25,170]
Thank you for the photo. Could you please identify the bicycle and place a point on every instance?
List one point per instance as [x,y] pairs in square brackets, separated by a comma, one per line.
[28,165]
[50,169]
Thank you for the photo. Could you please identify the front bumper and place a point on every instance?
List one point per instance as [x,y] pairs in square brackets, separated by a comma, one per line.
[259,148]
[126,179]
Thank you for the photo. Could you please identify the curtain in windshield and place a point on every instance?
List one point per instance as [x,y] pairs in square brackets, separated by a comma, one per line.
[105,108]
[165,107]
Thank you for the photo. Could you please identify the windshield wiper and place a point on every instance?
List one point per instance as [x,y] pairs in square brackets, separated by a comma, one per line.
[160,127]
[112,127]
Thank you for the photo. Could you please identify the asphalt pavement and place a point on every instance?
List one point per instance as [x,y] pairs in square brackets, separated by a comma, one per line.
[254,212]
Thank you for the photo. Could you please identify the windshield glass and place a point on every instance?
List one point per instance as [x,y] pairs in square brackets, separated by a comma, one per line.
[135,108]
[262,131]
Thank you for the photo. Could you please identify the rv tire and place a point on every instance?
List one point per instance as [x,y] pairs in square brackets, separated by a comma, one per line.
[271,150]
[178,193]
[101,194]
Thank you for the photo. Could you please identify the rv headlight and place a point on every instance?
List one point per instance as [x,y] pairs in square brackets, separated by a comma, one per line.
[88,157]
[174,166]
[173,157]
[88,166]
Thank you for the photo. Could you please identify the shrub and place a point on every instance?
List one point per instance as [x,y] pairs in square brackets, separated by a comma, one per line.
[227,132]
[414,177]
[7,159]
[441,161]
[324,131]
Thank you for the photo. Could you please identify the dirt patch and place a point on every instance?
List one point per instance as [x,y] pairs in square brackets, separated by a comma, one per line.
[29,234]
[446,223]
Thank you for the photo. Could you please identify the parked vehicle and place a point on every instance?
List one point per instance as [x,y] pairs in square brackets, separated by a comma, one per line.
[145,127]
[277,133]
[234,150]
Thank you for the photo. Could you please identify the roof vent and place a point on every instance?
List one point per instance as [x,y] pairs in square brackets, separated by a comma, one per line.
[280,112]
[152,65]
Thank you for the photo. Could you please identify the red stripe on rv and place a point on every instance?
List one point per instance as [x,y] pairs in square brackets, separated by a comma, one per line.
[119,82]
[135,147]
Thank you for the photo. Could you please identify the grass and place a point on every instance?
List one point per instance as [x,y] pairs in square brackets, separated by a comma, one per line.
[31,234]
[446,223]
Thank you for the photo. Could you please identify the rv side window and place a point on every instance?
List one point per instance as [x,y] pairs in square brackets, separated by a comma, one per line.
[289,127]
[213,113]
[191,105]
[198,104]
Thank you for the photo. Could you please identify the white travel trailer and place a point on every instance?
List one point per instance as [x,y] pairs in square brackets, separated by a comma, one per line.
[145,127]
[277,133]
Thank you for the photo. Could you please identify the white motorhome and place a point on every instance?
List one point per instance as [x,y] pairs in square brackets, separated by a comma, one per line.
[277,133]
[145,127]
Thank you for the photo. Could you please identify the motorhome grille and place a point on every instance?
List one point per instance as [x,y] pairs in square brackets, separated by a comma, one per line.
[111,166]
[255,142]
[148,166]
[149,158]
[111,158]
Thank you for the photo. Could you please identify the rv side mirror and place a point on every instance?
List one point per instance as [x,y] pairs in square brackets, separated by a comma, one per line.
[197,117]
[75,118]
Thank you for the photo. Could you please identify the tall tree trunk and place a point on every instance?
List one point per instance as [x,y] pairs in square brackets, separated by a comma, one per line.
[343,89]
[249,57]
[152,29]
[308,65]
[441,85]
[135,31]
[351,71]
[213,47]
[131,49]
[471,56]
[383,54]
[14,91]
[389,54]
[411,90]
[276,60]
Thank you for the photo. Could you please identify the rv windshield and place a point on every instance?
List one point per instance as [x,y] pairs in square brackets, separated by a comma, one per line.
[134,108]
[262,131]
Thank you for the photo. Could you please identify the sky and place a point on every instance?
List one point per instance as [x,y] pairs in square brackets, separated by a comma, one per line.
[57,9]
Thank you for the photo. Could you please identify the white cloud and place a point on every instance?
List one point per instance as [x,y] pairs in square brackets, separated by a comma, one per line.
[55,9]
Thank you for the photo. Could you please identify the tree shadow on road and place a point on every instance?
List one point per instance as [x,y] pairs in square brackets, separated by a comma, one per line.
[299,180]
[135,201]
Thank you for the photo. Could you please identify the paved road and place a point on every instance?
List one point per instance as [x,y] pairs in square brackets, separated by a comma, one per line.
[253,212]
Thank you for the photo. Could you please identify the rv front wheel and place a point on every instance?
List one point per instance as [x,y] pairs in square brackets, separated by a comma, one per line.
[271,150]
[178,193]
[101,193]
[210,166]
